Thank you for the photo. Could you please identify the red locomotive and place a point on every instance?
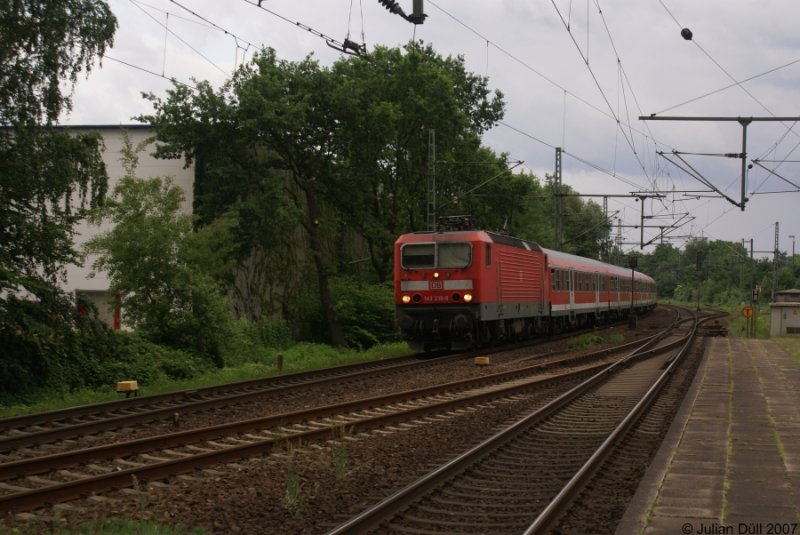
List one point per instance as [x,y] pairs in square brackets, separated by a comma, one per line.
[461,287]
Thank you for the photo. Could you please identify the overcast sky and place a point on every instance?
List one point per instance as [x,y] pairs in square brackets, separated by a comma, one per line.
[575,74]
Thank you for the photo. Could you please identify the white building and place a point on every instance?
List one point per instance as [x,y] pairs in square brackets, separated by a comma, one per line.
[78,277]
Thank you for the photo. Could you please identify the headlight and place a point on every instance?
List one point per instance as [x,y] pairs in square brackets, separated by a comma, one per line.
[406,299]
[467,298]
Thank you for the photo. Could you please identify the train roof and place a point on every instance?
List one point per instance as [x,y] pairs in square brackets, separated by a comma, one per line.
[505,239]
[591,262]
[473,235]
[514,242]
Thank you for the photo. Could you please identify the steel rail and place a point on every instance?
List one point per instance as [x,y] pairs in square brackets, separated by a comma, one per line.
[117,422]
[164,405]
[124,478]
[264,384]
[548,517]
[372,517]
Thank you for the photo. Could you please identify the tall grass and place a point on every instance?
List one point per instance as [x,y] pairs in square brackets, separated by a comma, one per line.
[298,358]
[111,526]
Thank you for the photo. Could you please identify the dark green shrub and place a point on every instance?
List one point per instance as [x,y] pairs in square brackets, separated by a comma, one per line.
[364,310]
[143,361]
[47,346]
[274,333]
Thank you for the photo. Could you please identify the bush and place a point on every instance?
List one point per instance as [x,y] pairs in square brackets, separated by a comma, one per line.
[364,310]
[48,347]
[143,361]
[255,341]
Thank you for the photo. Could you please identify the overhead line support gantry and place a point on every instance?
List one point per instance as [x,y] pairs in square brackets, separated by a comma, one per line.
[744,121]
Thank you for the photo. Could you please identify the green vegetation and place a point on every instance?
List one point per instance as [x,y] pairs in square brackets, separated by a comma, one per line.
[339,452]
[293,494]
[738,323]
[585,341]
[298,358]
[102,526]
[49,180]
[121,526]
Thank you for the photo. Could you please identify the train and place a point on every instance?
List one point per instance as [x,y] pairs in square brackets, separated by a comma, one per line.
[460,287]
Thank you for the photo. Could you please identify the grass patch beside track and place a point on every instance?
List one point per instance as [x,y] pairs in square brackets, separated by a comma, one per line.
[298,358]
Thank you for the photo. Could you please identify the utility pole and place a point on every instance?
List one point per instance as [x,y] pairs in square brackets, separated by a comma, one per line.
[431,211]
[741,269]
[751,324]
[559,212]
[775,262]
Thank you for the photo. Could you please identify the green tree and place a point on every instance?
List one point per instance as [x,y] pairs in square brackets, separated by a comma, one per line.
[340,153]
[393,107]
[664,262]
[159,268]
[49,179]
[277,119]
[237,177]
[45,46]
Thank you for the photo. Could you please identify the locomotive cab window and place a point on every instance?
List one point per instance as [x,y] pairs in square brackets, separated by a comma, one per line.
[419,255]
[433,255]
[454,255]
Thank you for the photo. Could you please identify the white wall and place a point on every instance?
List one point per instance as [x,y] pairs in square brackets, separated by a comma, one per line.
[78,278]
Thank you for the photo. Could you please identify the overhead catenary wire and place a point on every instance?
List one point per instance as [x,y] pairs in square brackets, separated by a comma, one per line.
[214,25]
[178,37]
[138,68]
[736,83]
[566,92]
[330,41]
[601,90]
[206,23]
[626,100]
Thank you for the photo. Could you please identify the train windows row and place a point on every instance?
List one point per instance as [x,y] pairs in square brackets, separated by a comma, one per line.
[561,281]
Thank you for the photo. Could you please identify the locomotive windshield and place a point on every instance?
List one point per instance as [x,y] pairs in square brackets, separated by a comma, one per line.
[436,255]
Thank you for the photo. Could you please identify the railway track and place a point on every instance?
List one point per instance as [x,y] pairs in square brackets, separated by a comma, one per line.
[49,426]
[523,479]
[40,479]
[113,418]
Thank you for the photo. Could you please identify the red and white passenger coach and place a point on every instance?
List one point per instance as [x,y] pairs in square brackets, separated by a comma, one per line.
[463,287]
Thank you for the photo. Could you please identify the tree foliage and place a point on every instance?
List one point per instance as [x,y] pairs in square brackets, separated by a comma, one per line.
[333,156]
[397,109]
[45,46]
[49,179]
[159,268]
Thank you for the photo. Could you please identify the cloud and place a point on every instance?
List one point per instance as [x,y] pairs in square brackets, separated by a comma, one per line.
[582,88]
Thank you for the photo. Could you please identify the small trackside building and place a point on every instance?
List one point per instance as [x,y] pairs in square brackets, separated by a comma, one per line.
[785,314]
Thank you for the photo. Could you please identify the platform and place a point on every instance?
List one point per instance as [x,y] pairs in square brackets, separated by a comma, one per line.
[731,460]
